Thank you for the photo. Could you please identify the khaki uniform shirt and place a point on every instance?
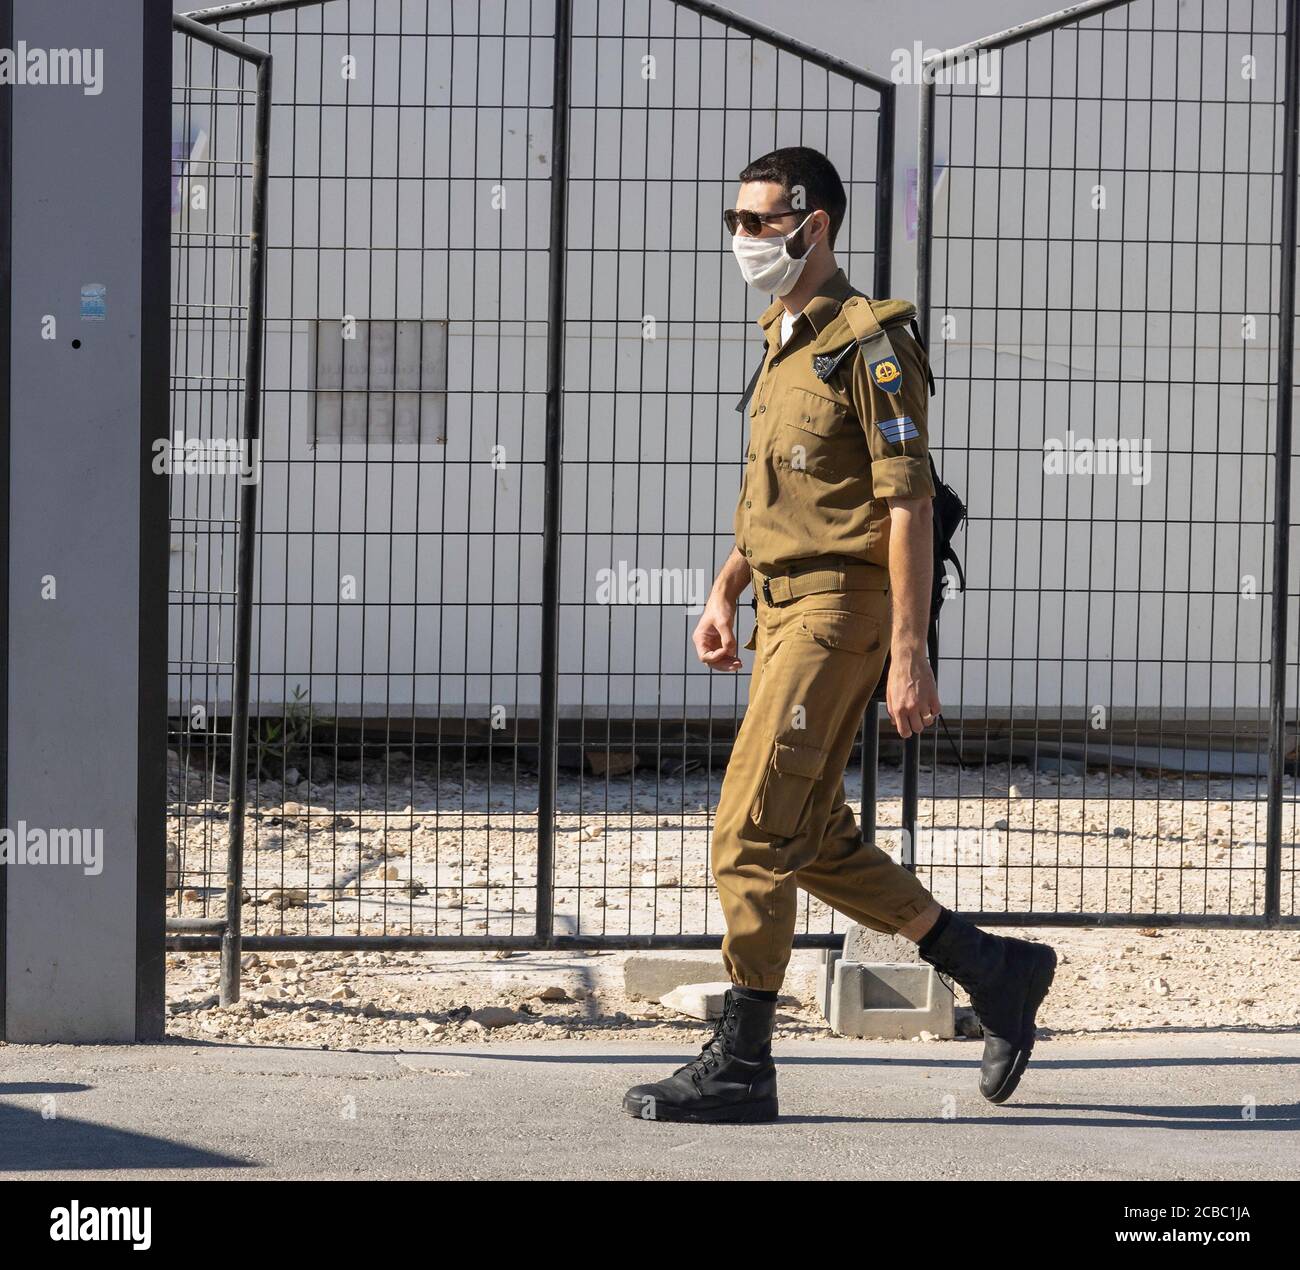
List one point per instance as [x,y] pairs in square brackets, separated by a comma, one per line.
[823,457]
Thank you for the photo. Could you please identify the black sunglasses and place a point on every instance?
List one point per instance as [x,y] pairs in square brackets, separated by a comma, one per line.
[753,222]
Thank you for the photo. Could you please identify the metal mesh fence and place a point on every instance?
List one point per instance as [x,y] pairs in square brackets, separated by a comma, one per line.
[205,458]
[499,462]
[402,735]
[1105,319]
[667,108]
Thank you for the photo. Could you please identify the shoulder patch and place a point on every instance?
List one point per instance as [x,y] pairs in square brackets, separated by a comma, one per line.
[886,373]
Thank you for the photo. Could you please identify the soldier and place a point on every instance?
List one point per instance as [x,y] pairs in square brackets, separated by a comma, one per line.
[833,529]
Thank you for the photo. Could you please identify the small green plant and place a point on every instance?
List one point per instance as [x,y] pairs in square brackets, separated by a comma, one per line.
[279,744]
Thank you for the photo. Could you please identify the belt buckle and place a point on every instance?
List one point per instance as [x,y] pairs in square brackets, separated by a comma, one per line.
[767,591]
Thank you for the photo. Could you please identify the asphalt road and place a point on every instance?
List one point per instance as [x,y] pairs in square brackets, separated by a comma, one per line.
[1146,1105]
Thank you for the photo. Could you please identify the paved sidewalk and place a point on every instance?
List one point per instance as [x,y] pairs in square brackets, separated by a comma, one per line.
[1148,1105]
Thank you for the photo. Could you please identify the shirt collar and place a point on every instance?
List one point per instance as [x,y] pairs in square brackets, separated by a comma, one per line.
[821,309]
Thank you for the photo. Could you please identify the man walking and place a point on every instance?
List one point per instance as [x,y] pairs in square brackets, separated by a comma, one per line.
[833,530]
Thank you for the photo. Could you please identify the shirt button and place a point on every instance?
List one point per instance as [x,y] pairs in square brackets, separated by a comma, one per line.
[761,409]
[807,418]
[752,457]
[748,503]
[748,552]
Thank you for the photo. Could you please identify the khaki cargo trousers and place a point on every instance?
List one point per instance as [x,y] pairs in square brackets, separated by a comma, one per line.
[820,640]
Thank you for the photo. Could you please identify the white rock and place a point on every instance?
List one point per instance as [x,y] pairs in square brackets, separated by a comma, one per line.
[490,1016]
[697,1000]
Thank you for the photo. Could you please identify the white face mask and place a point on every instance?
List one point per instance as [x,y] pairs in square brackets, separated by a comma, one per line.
[766,263]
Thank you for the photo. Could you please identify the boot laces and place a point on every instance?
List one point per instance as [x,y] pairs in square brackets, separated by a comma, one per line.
[711,1055]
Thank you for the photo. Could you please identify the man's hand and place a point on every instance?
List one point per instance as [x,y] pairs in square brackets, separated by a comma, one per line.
[715,634]
[911,695]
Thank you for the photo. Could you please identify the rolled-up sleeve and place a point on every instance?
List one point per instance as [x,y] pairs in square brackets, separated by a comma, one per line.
[897,423]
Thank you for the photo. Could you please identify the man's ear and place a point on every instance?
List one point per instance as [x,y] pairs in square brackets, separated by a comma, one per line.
[822,222]
[803,243]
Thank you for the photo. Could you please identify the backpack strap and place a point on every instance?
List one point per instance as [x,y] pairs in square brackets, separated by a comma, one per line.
[753,380]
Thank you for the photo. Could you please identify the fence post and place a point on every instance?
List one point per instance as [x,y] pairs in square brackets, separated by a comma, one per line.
[880,288]
[884,265]
[547,723]
[1282,471]
[239,711]
[924,193]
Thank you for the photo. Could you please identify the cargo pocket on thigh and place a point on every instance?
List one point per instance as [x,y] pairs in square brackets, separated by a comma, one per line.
[781,805]
[842,629]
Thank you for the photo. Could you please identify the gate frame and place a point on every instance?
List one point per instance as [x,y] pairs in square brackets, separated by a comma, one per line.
[194,934]
[199,934]
[229,925]
[1271,917]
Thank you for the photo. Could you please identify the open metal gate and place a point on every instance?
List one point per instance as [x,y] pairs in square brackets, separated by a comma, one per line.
[496,464]
[503,337]
[212,455]
[1107,275]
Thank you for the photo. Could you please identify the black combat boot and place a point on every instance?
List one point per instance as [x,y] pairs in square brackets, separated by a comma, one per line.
[1007,980]
[733,1080]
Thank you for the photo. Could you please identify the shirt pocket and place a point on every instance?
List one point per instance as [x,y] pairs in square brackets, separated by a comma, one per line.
[818,434]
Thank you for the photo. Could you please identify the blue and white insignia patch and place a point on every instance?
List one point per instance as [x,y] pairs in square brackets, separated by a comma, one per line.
[886,374]
[896,431]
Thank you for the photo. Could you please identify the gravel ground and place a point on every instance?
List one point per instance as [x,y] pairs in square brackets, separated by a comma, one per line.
[1107,981]
[415,850]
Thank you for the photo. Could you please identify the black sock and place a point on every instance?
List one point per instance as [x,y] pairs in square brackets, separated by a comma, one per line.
[926,942]
[753,994]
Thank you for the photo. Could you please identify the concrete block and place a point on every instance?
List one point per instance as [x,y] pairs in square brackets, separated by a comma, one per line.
[861,944]
[650,975]
[890,1001]
[873,947]
[826,963]
[697,1000]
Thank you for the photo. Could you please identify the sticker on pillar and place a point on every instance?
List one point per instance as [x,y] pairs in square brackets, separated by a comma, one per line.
[94,302]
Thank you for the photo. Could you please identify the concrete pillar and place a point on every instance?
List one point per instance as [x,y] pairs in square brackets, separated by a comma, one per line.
[85,174]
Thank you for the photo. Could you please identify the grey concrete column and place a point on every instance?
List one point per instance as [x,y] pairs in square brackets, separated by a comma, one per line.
[86,623]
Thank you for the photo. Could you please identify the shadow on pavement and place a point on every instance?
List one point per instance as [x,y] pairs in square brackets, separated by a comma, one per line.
[28,1141]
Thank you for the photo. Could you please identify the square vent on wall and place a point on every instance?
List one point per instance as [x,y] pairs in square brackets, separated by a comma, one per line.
[386,385]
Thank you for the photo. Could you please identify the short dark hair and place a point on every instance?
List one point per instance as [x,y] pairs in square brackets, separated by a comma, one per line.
[801,167]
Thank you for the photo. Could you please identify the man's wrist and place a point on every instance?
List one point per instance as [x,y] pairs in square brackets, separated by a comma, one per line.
[906,647]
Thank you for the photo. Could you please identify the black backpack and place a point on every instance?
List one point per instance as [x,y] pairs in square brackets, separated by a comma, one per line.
[949,515]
